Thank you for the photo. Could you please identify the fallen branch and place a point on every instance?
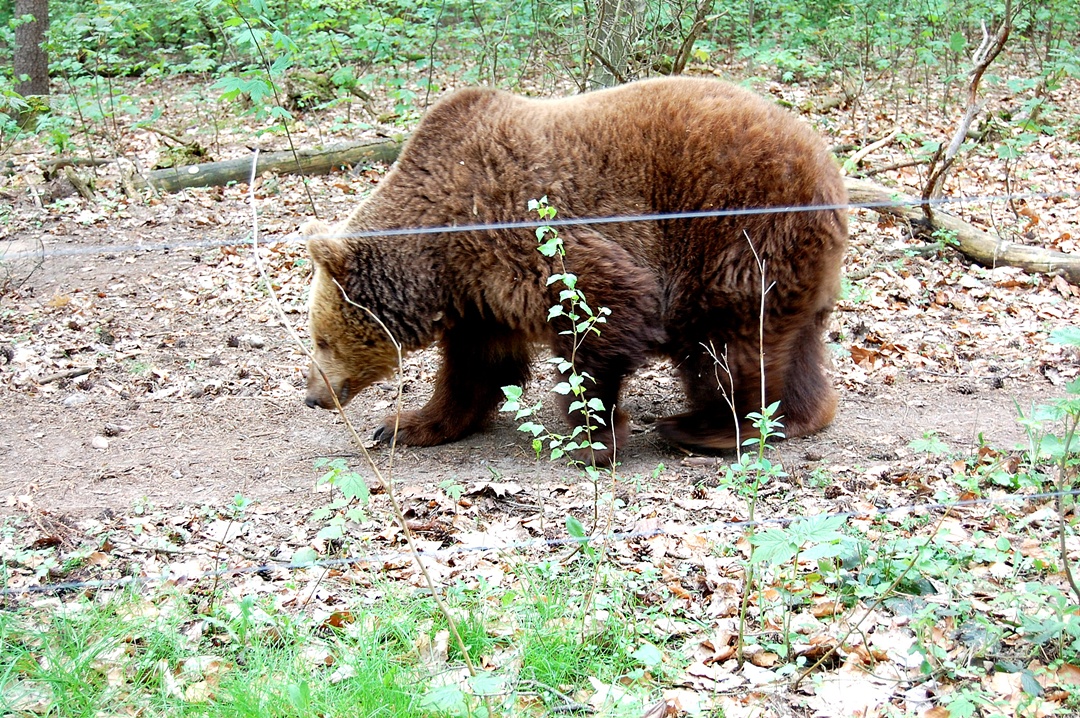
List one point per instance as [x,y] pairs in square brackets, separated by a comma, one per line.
[82,186]
[322,161]
[66,374]
[888,168]
[852,162]
[976,244]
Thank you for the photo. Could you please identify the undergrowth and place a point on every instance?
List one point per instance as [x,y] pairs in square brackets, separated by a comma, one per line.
[174,652]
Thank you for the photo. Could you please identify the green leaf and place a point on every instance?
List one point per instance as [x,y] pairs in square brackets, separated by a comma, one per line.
[957,42]
[929,444]
[353,486]
[304,557]
[1069,336]
[280,65]
[533,428]
[1008,152]
[576,529]
[445,699]
[648,655]
[331,533]
[300,696]
[820,551]
[774,546]
[488,684]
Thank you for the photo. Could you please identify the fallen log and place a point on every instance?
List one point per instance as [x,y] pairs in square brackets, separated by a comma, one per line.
[321,161]
[976,244]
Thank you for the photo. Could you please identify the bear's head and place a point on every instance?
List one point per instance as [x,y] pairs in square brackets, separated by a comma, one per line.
[352,350]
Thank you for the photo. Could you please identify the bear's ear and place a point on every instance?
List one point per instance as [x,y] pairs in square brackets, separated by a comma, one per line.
[315,228]
[327,252]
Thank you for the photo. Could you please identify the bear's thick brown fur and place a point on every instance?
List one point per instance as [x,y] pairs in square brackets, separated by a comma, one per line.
[688,289]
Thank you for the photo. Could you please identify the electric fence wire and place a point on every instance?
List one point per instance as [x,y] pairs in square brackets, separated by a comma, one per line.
[392,557]
[534,224]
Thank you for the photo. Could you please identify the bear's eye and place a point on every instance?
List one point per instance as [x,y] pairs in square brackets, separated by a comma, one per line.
[322,344]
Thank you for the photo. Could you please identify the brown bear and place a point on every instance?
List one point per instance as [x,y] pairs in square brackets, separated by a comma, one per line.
[685,288]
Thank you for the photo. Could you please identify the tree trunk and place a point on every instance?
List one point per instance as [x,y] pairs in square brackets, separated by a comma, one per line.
[31,59]
[615,30]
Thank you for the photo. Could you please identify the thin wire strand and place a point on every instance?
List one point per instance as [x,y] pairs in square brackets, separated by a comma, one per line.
[390,557]
[534,224]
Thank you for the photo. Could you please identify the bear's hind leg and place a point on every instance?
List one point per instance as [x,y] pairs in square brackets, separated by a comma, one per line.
[476,365]
[794,375]
[720,386]
[809,400]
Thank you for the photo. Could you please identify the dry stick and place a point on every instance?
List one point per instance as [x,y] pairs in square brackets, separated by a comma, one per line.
[881,599]
[853,161]
[888,168]
[66,374]
[765,289]
[989,49]
[384,480]
[701,18]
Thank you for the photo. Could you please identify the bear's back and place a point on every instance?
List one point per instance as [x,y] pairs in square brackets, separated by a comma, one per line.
[657,145]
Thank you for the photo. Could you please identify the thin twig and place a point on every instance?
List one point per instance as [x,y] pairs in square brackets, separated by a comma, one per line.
[852,162]
[1070,434]
[987,51]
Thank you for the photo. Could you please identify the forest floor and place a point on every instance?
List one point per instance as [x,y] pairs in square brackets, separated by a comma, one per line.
[189,390]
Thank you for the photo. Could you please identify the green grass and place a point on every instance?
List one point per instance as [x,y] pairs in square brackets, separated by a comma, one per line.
[168,653]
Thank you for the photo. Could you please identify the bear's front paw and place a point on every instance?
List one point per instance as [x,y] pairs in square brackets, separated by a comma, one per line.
[413,429]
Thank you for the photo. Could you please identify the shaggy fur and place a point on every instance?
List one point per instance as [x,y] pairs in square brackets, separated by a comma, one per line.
[686,289]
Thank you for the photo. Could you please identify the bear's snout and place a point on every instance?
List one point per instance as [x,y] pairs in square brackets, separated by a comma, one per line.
[320,397]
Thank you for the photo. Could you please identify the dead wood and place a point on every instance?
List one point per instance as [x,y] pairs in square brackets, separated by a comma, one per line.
[988,50]
[66,374]
[81,185]
[321,161]
[701,18]
[976,244]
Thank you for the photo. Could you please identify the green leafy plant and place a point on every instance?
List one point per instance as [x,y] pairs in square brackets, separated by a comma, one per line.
[353,496]
[929,443]
[584,321]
